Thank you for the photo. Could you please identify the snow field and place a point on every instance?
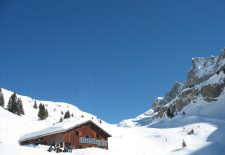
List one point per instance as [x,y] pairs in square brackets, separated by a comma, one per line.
[162,137]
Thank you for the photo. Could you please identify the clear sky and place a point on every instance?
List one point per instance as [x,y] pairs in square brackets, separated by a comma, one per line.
[109,58]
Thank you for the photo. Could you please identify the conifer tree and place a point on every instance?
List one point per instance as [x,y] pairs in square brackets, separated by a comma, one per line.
[42,113]
[35,105]
[2,103]
[67,115]
[12,104]
[46,113]
[61,119]
[170,113]
[19,110]
[15,105]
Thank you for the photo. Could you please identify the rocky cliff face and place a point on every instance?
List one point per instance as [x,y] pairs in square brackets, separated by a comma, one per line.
[205,81]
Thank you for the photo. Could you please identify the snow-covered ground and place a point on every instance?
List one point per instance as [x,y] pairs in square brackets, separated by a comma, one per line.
[162,138]
[159,138]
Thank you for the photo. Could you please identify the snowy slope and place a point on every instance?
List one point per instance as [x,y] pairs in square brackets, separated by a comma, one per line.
[208,137]
[55,109]
[207,121]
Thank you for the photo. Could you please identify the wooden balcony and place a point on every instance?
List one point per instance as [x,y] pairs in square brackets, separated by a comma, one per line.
[93,141]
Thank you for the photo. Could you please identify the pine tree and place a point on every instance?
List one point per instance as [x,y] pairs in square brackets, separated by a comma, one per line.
[67,115]
[170,113]
[12,104]
[35,105]
[61,119]
[2,103]
[15,105]
[19,110]
[42,113]
[46,113]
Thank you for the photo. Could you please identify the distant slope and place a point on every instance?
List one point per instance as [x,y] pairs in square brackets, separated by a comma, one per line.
[55,109]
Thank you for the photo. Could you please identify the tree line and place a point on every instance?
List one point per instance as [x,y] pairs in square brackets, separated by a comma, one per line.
[14,105]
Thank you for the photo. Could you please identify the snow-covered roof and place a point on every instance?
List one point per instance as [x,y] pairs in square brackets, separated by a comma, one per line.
[59,128]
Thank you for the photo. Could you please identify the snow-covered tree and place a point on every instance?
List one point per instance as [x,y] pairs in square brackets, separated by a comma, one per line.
[2,103]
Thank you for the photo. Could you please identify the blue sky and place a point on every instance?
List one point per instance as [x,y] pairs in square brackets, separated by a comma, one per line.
[109,58]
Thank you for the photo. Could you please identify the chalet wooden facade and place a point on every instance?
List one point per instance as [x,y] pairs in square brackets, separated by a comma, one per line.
[80,135]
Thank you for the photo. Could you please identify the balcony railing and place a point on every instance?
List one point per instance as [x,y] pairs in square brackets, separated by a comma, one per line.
[101,143]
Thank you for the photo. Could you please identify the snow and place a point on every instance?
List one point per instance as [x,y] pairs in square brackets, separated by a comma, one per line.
[133,141]
[160,98]
[204,66]
[140,120]
[162,137]
[215,79]
[54,108]
[206,119]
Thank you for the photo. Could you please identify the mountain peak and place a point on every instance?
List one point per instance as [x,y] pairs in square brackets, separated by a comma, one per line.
[205,84]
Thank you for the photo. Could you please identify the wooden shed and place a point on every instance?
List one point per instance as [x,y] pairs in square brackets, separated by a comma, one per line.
[78,134]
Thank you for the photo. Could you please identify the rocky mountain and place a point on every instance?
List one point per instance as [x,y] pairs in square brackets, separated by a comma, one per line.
[205,84]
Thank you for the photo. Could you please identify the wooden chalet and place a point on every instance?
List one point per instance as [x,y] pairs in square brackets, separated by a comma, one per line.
[78,134]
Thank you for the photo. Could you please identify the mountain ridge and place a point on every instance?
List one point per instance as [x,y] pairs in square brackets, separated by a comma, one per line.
[56,110]
[205,82]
